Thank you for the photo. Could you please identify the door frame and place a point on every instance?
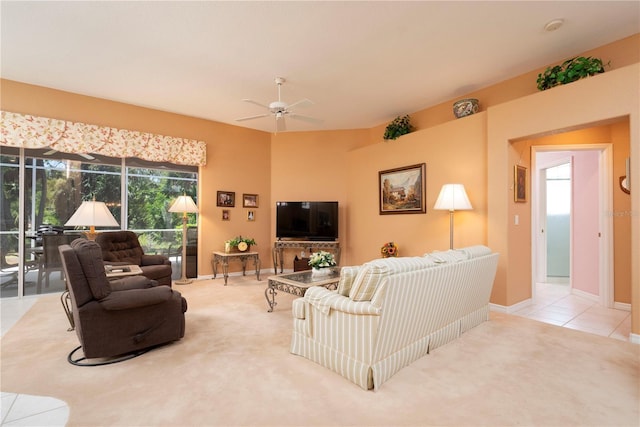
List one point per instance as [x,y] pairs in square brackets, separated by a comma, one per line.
[605,220]
[539,221]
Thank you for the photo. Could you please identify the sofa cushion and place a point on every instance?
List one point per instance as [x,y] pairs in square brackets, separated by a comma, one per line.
[90,256]
[403,264]
[447,256]
[347,276]
[367,281]
[476,251]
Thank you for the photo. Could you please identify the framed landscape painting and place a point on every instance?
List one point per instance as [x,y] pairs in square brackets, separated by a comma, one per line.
[403,190]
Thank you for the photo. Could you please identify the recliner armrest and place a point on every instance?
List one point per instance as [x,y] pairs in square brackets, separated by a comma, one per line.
[154,260]
[134,298]
[132,282]
[326,300]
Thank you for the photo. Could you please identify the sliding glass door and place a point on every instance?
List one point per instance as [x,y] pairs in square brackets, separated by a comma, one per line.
[42,189]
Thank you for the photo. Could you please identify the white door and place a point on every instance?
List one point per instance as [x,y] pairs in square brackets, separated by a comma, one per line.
[591,229]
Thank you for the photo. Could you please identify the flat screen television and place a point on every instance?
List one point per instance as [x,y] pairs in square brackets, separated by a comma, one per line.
[307,220]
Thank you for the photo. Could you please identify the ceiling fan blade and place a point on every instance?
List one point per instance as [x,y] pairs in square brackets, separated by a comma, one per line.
[302,103]
[305,118]
[241,119]
[281,126]
[251,101]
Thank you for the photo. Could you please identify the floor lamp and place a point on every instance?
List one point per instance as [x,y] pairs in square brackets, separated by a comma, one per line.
[92,214]
[184,204]
[452,198]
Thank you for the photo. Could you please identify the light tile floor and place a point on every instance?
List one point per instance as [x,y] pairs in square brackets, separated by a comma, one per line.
[553,304]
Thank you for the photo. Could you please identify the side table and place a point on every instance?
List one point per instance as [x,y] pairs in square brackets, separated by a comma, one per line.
[224,257]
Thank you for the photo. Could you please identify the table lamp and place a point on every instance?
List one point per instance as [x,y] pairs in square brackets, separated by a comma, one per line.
[452,198]
[92,214]
[184,204]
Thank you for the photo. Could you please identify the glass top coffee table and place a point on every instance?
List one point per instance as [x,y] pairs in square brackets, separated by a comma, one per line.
[297,284]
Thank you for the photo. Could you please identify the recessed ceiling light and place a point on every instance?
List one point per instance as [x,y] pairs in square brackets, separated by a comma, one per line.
[553,25]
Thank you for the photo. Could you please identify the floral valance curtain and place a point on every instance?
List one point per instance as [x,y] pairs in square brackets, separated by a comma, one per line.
[20,130]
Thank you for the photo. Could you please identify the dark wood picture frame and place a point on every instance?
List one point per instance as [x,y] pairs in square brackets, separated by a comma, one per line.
[519,184]
[249,200]
[226,214]
[403,190]
[226,199]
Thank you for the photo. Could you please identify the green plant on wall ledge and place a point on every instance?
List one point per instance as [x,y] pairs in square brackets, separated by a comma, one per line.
[569,71]
[398,127]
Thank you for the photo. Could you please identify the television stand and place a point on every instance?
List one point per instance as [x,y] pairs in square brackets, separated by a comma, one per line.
[280,245]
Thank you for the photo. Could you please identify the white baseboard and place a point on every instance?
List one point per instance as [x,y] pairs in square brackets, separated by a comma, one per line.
[634,338]
[508,309]
[586,295]
[622,306]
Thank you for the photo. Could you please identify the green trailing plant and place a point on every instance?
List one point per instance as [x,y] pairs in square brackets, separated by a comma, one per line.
[569,71]
[398,127]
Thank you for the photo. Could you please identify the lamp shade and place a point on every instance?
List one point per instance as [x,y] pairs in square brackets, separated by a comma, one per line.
[184,204]
[92,214]
[453,197]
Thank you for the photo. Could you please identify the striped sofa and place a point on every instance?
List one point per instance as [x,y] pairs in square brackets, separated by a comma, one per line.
[389,312]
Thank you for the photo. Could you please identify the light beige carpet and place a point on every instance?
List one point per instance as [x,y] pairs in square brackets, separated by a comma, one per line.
[234,368]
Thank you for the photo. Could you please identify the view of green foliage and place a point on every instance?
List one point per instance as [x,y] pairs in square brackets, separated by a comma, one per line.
[61,186]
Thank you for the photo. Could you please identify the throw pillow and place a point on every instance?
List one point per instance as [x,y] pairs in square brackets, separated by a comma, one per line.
[347,276]
[367,281]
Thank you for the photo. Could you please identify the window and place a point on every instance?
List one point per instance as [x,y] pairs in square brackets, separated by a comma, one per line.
[55,184]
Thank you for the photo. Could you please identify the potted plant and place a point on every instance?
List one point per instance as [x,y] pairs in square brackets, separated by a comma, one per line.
[569,71]
[239,244]
[321,262]
[398,127]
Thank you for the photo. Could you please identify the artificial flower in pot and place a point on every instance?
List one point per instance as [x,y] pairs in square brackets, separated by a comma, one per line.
[389,249]
[239,244]
[321,262]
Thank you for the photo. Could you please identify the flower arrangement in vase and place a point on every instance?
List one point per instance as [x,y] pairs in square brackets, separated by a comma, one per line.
[321,262]
[389,249]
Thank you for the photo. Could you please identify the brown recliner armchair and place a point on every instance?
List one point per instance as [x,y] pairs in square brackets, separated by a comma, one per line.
[123,317]
[123,247]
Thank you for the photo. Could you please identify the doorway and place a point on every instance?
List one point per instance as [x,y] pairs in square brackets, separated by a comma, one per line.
[580,178]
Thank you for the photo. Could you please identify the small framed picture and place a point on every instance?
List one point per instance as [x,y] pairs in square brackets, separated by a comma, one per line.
[249,200]
[226,199]
[519,184]
[226,214]
[251,215]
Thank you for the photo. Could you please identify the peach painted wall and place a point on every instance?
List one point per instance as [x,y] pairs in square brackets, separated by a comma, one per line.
[622,213]
[312,166]
[615,133]
[612,95]
[454,152]
[247,172]
[619,53]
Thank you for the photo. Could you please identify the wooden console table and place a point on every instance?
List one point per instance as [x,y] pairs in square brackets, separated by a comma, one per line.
[280,245]
[224,257]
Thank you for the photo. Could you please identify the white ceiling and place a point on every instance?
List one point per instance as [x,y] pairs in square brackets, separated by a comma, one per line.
[362,63]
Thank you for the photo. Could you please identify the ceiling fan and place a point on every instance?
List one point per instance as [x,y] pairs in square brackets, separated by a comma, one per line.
[279,109]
